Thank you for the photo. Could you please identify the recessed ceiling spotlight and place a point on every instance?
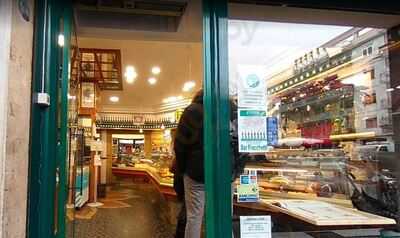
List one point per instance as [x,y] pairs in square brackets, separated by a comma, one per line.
[130,74]
[188,86]
[114,99]
[156,70]
[152,80]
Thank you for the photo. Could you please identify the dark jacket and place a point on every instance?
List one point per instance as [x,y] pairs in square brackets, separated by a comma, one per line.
[188,143]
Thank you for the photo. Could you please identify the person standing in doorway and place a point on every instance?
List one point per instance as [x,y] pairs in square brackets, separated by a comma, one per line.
[180,195]
[189,155]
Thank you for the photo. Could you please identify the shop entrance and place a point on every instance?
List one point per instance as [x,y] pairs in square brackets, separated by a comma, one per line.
[132,75]
[125,86]
[126,71]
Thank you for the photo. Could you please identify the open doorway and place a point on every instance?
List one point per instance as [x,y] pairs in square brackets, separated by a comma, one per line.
[120,85]
[134,68]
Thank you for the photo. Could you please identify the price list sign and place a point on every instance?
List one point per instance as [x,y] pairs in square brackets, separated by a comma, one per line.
[255,227]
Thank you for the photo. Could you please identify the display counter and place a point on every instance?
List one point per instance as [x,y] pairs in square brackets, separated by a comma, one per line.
[163,181]
[313,190]
[291,189]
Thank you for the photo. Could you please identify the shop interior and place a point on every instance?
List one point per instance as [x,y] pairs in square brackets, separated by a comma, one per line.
[329,110]
[133,71]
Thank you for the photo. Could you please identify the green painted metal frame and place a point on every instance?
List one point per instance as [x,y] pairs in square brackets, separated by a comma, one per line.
[62,146]
[216,122]
[47,146]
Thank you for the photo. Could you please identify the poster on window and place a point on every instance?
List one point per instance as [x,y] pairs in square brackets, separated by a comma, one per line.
[251,87]
[252,130]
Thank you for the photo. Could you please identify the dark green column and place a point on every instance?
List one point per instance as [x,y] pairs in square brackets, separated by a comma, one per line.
[216,106]
[45,134]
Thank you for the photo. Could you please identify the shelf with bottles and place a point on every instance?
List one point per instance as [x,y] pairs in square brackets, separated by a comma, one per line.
[135,121]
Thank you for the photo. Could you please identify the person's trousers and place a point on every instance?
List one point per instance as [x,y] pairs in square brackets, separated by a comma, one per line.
[181,222]
[194,202]
[181,218]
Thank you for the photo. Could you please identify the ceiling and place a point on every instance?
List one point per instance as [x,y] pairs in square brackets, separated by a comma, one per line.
[183,24]
[179,62]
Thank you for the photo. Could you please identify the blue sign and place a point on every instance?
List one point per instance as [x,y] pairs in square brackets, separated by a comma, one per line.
[272,131]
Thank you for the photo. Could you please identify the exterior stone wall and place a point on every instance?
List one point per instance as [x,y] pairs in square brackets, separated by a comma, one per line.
[15,84]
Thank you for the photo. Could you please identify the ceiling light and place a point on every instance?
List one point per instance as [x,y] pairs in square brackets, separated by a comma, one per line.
[188,86]
[114,99]
[398,87]
[172,99]
[389,89]
[130,74]
[156,70]
[61,40]
[152,80]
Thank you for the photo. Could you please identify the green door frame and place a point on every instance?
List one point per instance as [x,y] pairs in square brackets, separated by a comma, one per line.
[62,153]
[48,122]
[216,120]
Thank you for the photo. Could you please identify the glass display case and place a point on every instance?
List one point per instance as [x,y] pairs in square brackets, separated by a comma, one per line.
[131,156]
[303,174]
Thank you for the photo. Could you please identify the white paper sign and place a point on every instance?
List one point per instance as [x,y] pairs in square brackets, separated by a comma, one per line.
[252,87]
[255,227]
[252,130]
[97,160]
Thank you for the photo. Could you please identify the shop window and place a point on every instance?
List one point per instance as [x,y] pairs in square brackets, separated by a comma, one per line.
[370,74]
[320,120]
[371,123]
[367,51]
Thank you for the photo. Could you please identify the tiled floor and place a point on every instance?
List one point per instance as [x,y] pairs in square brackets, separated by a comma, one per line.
[131,210]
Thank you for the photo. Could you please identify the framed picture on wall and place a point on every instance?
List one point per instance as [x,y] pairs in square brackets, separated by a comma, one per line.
[88,95]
